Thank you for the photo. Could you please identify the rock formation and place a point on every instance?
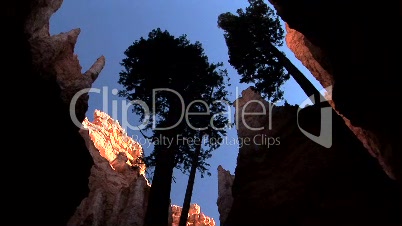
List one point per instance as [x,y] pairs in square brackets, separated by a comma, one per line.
[306,52]
[284,178]
[195,216]
[225,198]
[118,187]
[55,55]
[341,48]
[42,74]
[112,142]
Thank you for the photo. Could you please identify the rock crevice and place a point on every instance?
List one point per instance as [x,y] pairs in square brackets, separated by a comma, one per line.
[342,49]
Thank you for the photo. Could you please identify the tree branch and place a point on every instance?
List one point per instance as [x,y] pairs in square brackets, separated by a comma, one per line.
[146,137]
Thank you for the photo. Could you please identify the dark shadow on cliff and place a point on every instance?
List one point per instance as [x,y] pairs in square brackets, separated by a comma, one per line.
[302,183]
[46,167]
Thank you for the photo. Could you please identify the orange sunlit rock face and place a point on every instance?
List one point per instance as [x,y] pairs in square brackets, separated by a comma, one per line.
[195,216]
[113,142]
[118,186]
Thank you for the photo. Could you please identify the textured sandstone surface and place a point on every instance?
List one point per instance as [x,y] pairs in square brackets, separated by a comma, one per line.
[55,55]
[118,187]
[298,182]
[310,55]
[113,142]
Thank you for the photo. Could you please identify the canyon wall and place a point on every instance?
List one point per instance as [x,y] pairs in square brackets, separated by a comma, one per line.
[48,168]
[48,165]
[340,46]
[284,178]
[118,187]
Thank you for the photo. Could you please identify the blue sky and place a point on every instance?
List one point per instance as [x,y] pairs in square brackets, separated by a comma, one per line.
[109,27]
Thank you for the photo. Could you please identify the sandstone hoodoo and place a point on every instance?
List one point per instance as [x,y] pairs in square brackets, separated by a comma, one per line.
[195,216]
[118,187]
[113,143]
[225,198]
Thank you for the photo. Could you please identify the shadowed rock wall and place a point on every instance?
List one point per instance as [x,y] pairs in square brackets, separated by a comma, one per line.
[295,181]
[48,165]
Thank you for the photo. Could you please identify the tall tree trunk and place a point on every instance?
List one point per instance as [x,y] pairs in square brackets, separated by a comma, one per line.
[157,213]
[190,185]
[303,82]
[159,196]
